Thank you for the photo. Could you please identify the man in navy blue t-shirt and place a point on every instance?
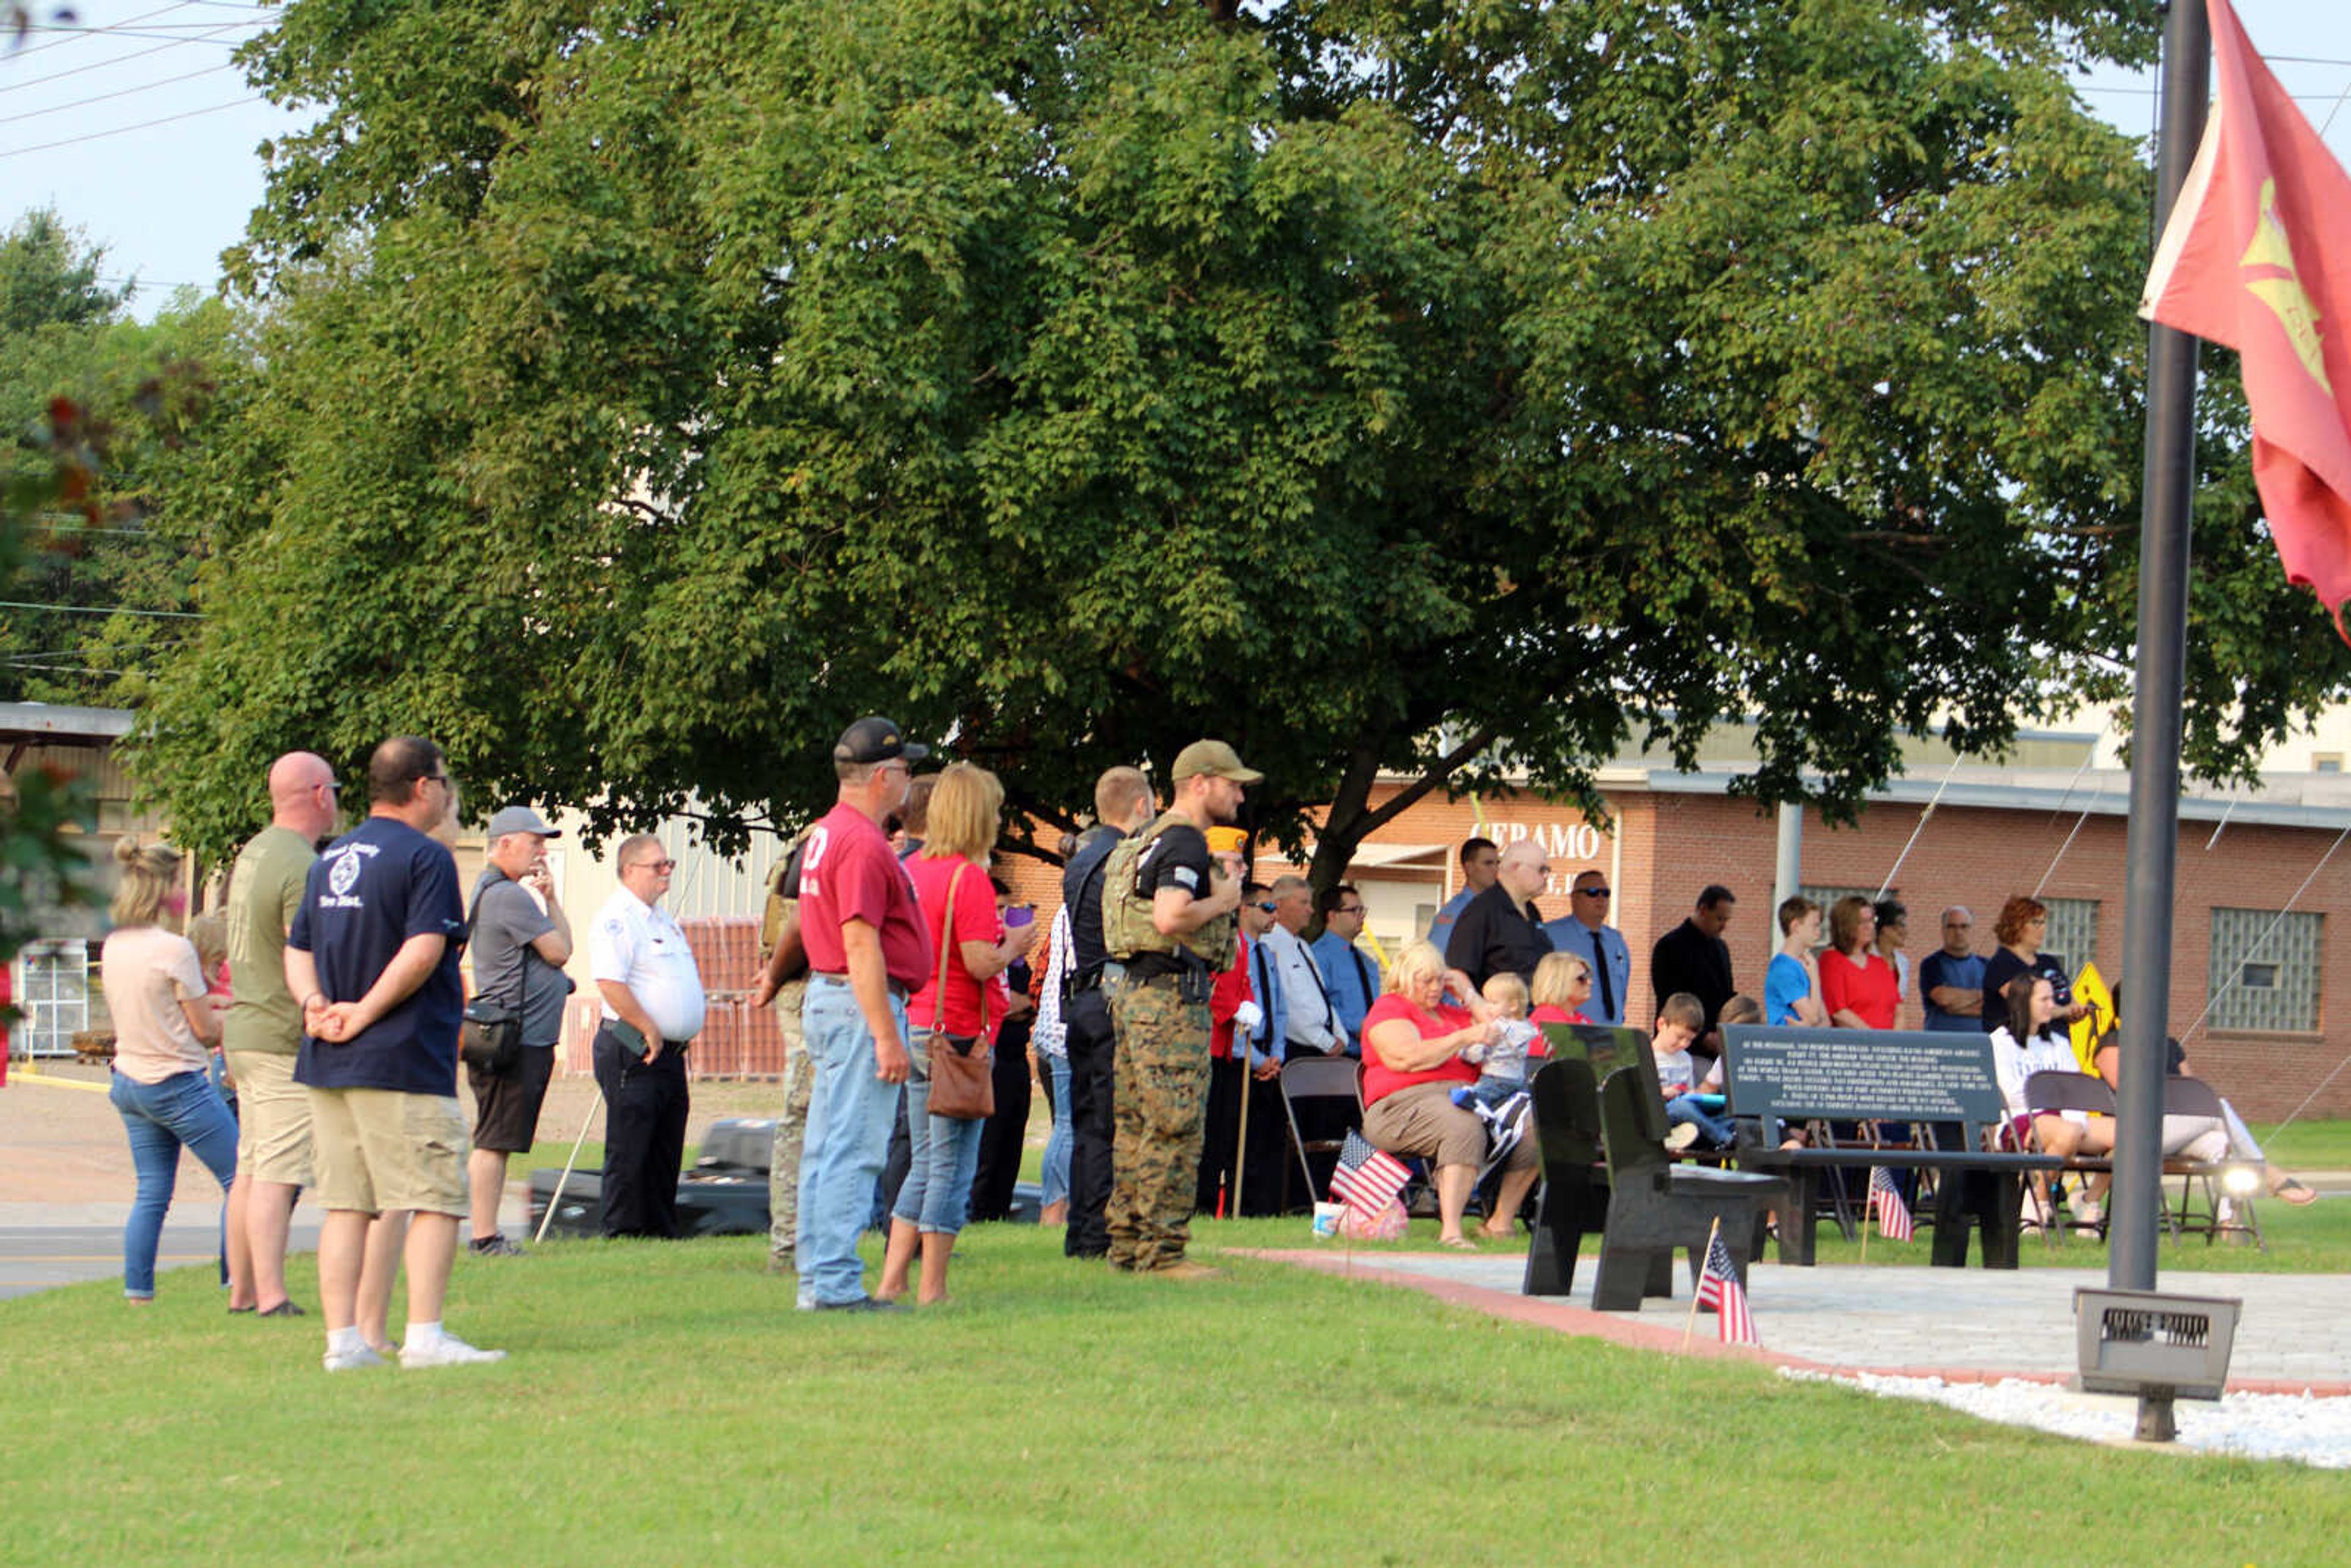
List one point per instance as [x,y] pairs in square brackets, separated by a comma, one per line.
[373,957]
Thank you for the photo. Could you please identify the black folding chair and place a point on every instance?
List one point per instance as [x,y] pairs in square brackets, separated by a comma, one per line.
[2194,1097]
[2053,1092]
[1331,1084]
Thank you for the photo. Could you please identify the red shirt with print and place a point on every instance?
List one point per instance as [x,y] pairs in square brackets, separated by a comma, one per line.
[847,872]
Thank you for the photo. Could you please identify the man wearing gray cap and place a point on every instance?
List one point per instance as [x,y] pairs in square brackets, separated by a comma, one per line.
[520,941]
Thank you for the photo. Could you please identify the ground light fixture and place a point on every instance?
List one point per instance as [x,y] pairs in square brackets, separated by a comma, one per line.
[2157,1346]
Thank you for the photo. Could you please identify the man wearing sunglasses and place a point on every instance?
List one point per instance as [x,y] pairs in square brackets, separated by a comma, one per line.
[653,1009]
[1586,932]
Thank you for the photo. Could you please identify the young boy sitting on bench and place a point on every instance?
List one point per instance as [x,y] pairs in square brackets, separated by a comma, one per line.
[1679,1022]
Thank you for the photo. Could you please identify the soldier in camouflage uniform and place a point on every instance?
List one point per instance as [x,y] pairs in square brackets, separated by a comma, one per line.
[779,936]
[1168,920]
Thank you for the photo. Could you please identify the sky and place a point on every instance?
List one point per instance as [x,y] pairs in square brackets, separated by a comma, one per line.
[136,125]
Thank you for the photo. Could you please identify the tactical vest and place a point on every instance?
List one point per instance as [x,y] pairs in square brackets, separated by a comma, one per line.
[1126,908]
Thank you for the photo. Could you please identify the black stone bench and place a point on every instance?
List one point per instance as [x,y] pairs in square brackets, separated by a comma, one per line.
[1648,1206]
[1944,1081]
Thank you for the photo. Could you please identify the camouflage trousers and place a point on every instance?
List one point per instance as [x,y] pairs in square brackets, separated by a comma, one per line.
[791,1129]
[1157,1116]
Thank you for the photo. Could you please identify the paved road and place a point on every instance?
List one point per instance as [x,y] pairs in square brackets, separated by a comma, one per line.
[44,1244]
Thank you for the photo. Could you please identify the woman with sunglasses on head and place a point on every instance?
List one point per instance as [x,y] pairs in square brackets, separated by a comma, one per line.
[2023,927]
[165,1024]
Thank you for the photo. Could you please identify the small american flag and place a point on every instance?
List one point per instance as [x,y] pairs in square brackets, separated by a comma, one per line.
[1719,1288]
[1894,1220]
[1368,1178]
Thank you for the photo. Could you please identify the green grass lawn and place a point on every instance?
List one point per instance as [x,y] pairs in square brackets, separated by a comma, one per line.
[665,1405]
[2308,1145]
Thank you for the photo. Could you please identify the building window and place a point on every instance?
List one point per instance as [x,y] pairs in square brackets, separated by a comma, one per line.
[54,998]
[2072,932]
[2266,970]
[2327,762]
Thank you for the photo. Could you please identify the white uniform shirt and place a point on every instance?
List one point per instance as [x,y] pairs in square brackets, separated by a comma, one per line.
[640,946]
[1312,1020]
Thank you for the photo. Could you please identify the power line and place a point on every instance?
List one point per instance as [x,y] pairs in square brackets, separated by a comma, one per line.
[79,32]
[114,61]
[127,129]
[102,610]
[109,96]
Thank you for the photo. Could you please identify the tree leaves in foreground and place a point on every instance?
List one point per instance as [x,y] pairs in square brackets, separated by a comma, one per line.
[1436,389]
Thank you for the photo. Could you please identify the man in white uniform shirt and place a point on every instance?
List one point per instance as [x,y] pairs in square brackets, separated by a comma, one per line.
[652,1008]
[1312,1026]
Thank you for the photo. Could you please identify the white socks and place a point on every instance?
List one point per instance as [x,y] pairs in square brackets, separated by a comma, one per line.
[342,1342]
[422,1336]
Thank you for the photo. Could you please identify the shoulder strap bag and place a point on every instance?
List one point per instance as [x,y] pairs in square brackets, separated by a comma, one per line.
[963,1069]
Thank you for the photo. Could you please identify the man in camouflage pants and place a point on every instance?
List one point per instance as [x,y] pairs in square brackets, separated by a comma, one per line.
[779,930]
[1168,920]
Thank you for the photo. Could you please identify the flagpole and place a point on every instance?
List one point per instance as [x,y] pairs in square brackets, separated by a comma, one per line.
[1869,1206]
[1690,1327]
[2164,535]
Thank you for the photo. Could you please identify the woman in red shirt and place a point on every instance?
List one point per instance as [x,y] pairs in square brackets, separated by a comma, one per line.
[1412,1037]
[1563,984]
[935,1197]
[1858,985]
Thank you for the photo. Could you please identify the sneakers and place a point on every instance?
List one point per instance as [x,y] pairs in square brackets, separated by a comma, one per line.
[447,1351]
[1682,1137]
[2085,1210]
[353,1360]
[495,1245]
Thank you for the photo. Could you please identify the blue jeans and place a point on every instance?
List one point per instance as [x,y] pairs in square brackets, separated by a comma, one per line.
[184,1109]
[1716,1130]
[1056,1173]
[938,1194]
[849,1119]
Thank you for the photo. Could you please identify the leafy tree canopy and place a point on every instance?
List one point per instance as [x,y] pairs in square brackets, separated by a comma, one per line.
[1439,386]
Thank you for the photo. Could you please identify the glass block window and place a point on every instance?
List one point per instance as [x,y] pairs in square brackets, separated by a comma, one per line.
[2266,970]
[2073,932]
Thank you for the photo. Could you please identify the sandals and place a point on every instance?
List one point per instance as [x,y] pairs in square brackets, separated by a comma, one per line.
[1456,1243]
[2293,1192]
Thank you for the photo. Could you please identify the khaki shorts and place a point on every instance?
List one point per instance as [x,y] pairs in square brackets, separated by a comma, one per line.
[1422,1119]
[273,1117]
[379,1149]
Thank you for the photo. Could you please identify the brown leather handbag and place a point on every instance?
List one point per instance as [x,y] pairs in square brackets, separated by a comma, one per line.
[963,1068]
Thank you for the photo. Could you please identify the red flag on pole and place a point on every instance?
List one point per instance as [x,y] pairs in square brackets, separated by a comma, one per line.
[2257,257]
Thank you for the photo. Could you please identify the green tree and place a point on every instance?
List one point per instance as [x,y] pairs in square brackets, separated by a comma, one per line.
[100,593]
[1438,387]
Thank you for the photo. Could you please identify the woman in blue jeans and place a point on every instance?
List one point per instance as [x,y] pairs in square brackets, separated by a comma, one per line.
[951,869]
[165,1021]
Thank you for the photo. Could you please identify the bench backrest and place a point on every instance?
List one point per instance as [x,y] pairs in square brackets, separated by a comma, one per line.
[1606,1049]
[1903,1075]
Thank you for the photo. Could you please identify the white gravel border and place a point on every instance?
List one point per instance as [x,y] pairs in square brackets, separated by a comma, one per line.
[2311,1429]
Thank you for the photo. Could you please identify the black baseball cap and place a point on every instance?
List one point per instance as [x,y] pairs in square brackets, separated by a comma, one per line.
[875,740]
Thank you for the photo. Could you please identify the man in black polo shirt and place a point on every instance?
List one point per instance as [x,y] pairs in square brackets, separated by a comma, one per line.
[1122,804]
[1499,929]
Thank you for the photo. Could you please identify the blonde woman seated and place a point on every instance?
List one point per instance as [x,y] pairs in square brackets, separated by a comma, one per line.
[1413,1040]
[2033,1042]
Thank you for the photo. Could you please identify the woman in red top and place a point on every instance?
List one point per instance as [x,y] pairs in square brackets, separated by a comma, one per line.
[1858,985]
[935,1197]
[1412,1037]
[1563,984]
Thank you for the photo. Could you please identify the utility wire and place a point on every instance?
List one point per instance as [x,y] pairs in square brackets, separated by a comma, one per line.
[127,129]
[111,61]
[80,31]
[102,610]
[119,93]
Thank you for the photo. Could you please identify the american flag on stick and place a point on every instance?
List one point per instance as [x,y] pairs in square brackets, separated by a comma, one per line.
[1894,1220]
[1719,1288]
[1367,1179]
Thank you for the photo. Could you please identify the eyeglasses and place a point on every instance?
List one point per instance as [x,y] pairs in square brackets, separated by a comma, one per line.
[1591,893]
[1349,909]
[664,867]
[440,778]
[1267,906]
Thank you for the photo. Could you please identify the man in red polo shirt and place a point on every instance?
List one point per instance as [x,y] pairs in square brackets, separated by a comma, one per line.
[868,950]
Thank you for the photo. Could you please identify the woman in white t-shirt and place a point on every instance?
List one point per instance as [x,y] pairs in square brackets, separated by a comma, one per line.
[2032,1041]
[165,1021]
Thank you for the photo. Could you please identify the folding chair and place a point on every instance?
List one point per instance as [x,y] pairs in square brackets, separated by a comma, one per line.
[2194,1097]
[2052,1093]
[1330,1081]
